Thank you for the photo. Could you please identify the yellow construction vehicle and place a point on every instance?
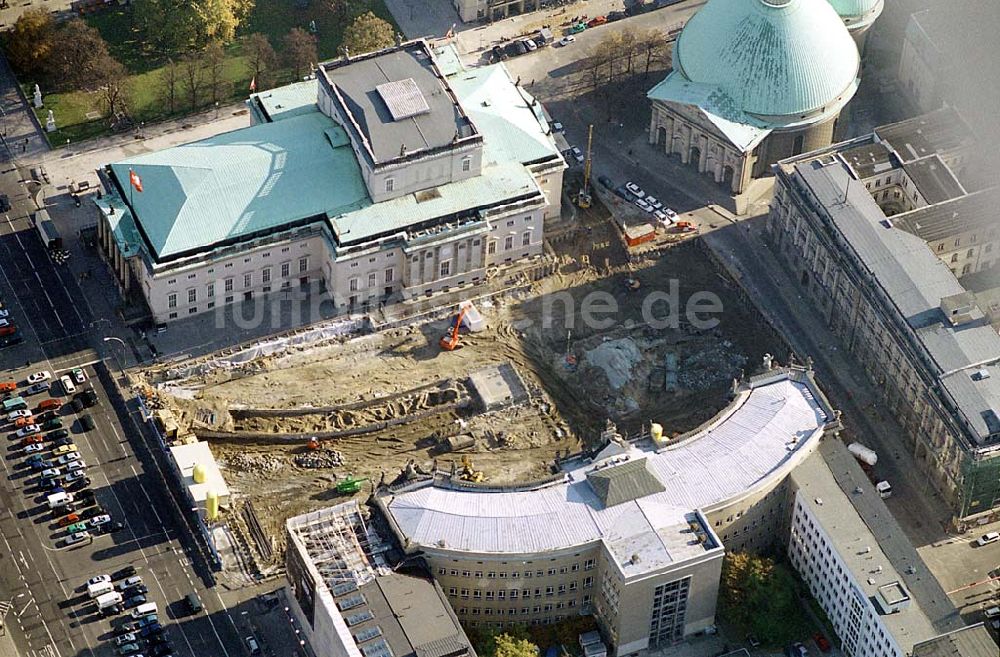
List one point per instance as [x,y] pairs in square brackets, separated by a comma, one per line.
[469,472]
[583,199]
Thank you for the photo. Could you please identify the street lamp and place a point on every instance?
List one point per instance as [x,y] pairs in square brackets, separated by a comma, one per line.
[121,366]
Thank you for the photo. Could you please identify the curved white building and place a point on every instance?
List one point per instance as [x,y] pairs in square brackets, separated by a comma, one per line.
[754,82]
[634,535]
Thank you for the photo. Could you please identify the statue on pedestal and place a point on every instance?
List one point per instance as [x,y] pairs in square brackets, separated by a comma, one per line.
[50,123]
[38,97]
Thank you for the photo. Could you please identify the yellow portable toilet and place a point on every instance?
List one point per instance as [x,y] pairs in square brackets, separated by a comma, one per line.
[211,505]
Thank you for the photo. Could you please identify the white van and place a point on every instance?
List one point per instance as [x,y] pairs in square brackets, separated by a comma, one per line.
[144,610]
[59,499]
[99,588]
[109,599]
[884,489]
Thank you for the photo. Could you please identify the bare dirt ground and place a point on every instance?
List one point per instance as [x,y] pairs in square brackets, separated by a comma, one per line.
[578,374]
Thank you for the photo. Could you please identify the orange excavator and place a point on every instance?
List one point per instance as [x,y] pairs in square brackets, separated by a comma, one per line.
[450,342]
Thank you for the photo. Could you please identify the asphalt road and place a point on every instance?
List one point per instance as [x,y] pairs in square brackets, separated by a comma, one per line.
[46,610]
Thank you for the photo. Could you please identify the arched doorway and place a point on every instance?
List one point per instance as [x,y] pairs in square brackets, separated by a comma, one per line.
[694,158]
[661,136]
[727,175]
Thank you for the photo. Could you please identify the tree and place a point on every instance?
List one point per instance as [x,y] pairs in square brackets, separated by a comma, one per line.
[214,60]
[192,68]
[184,24]
[171,77]
[77,62]
[346,10]
[300,51]
[759,597]
[261,60]
[366,33]
[653,45]
[508,646]
[513,643]
[114,88]
[29,43]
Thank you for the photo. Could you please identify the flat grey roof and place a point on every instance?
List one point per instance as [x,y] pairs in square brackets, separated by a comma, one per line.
[869,158]
[942,132]
[914,281]
[857,520]
[973,641]
[934,179]
[404,82]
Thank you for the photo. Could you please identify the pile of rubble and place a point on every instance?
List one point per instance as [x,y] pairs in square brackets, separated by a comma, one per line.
[263,464]
[711,367]
[328,458]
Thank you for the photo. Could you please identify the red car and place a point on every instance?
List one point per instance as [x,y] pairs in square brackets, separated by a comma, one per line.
[30,440]
[821,641]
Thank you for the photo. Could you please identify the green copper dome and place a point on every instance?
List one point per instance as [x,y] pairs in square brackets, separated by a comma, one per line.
[858,13]
[778,60]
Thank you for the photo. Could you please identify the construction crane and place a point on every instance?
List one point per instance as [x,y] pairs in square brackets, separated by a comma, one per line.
[583,199]
[450,342]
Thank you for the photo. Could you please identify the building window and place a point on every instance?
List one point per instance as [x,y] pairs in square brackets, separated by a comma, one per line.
[247,279]
[954,257]
[389,275]
[526,238]
[172,300]
[192,295]
[171,281]
[229,285]
[172,316]
[508,243]
[190,276]
[285,266]
[303,264]
[969,254]
[491,248]
[446,268]
[466,164]
[229,265]
[372,280]
[210,290]
[352,285]
[390,184]
[265,275]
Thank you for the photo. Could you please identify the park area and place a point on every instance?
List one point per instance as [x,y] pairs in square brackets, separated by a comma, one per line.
[166,80]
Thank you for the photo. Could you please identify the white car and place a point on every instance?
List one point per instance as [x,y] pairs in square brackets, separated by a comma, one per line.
[97,579]
[68,385]
[577,154]
[38,377]
[4,313]
[635,190]
[656,205]
[642,205]
[51,473]
[4,322]
[78,375]
[662,217]
[670,213]
[104,519]
[29,430]
[986,539]
[34,448]
[566,40]
[13,415]
[131,581]
[75,466]
[66,458]
[557,127]
[530,45]
[78,537]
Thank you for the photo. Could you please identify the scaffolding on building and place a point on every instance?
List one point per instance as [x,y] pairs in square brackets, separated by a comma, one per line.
[344,549]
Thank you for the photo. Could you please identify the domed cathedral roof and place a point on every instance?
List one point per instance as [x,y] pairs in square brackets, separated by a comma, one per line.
[779,61]
[858,13]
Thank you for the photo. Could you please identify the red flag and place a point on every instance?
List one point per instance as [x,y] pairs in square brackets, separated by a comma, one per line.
[253,84]
[136,181]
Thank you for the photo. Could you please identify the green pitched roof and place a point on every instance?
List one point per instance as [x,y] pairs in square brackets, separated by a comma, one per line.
[623,483]
[774,58]
[234,185]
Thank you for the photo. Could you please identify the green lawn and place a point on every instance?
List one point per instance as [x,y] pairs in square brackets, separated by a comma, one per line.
[75,111]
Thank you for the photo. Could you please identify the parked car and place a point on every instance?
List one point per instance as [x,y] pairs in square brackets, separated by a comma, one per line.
[65,449]
[68,457]
[52,473]
[135,601]
[597,20]
[577,154]
[986,539]
[128,648]
[104,519]
[49,404]
[78,375]
[13,415]
[49,484]
[127,571]
[138,589]
[63,440]
[822,643]
[566,40]
[33,445]
[41,386]
[635,189]
[68,520]
[54,423]
[530,45]
[86,422]
[97,579]
[128,637]
[77,527]
[642,205]
[558,127]
[67,384]
[77,404]
[77,480]
[654,202]
[606,182]
[76,466]
[28,430]
[40,464]
[38,377]
[78,537]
